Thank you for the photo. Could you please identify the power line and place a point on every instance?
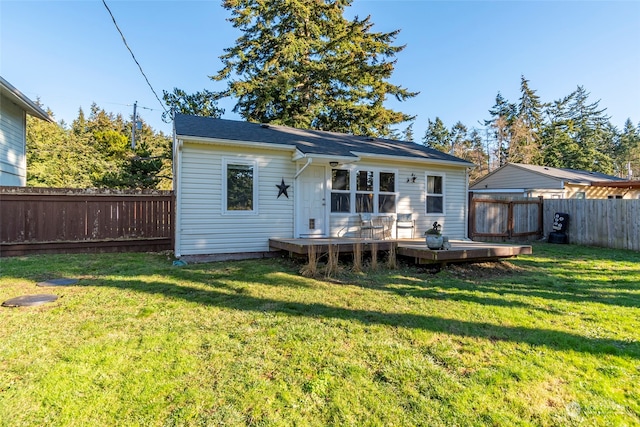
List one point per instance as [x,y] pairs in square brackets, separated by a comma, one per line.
[133,56]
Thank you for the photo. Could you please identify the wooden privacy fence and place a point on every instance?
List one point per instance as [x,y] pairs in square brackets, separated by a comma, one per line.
[500,219]
[45,220]
[611,223]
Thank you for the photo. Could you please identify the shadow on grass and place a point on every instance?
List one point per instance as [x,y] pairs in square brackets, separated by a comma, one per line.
[552,339]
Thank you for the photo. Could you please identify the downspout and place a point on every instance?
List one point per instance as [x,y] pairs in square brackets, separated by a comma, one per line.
[309,160]
[177,182]
[466,187]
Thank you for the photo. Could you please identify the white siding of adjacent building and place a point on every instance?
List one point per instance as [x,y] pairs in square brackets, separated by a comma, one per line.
[513,177]
[204,227]
[13,160]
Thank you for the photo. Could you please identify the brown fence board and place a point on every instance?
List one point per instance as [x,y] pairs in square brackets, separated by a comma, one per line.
[36,220]
[610,223]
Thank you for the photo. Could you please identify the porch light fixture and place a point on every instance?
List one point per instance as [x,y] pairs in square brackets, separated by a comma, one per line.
[333,164]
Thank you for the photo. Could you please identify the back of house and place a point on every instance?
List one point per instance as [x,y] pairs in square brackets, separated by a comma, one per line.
[238,184]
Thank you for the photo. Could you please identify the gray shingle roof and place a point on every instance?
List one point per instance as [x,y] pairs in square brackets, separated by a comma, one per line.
[306,141]
[570,175]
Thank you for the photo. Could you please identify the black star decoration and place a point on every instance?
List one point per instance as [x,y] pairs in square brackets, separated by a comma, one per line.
[282,189]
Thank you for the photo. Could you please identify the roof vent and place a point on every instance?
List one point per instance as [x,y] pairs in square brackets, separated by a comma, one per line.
[370,138]
[265,126]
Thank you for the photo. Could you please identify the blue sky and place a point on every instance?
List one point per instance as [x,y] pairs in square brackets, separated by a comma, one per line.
[459,54]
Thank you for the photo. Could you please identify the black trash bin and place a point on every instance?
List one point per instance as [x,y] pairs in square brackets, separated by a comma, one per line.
[560,227]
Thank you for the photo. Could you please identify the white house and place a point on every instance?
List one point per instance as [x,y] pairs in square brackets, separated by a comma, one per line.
[238,184]
[14,107]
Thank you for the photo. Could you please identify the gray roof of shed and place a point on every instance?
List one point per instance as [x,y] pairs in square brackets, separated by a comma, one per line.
[570,175]
[308,142]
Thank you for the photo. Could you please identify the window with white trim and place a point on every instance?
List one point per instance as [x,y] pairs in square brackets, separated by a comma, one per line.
[240,186]
[435,194]
[340,193]
[363,191]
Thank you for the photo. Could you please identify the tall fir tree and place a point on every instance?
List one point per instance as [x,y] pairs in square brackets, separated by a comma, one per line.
[204,103]
[628,151]
[301,63]
[503,114]
[437,136]
[526,126]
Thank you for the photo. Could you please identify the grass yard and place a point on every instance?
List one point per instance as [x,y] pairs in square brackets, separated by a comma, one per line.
[551,339]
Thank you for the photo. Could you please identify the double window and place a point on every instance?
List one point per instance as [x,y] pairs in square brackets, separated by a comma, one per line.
[363,191]
[240,186]
[435,194]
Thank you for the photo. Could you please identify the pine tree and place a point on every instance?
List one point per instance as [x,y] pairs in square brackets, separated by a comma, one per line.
[503,114]
[437,136]
[96,152]
[198,104]
[300,63]
[525,127]
[628,151]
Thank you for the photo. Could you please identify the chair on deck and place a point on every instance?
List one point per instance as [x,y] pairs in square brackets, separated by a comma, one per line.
[369,225]
[405,221]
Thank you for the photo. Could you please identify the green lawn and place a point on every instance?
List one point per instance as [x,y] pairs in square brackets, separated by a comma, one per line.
[549,339]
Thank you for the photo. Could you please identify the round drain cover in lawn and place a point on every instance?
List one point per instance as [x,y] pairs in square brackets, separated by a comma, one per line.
[29,300]
[58,282]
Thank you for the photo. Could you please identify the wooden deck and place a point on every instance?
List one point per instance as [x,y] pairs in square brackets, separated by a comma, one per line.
[460,251]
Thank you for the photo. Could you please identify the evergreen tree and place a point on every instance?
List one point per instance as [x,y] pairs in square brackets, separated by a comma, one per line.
[460,143]
[503,114]
[525,127]
[198,104]
[437,136]
[628,151]
[477,155]
[590,132]
[96,152]
[300,63]
[57,158]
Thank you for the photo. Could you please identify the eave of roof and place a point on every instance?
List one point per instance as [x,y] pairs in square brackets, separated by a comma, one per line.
[618,184]
[21,100]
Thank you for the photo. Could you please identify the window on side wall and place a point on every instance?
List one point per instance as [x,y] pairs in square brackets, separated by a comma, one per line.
[435,194]
[240,186]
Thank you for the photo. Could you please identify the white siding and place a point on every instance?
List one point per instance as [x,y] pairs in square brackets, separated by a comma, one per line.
[203,226]
[13,161]
[412,199]
[513,177]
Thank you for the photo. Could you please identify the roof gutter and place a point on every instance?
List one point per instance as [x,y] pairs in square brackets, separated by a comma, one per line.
[416,159]
[235,143]
[20,99]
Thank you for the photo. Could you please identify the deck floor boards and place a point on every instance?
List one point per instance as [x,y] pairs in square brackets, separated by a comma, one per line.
[460,251]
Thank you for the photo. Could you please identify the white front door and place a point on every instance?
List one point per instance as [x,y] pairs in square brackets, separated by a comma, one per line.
[311,202]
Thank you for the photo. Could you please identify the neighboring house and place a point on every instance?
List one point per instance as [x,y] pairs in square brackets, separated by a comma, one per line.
[238,184]
[515,179]
[14,107]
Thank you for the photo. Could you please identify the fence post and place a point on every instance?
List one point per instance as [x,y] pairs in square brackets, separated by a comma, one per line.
[540,216]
